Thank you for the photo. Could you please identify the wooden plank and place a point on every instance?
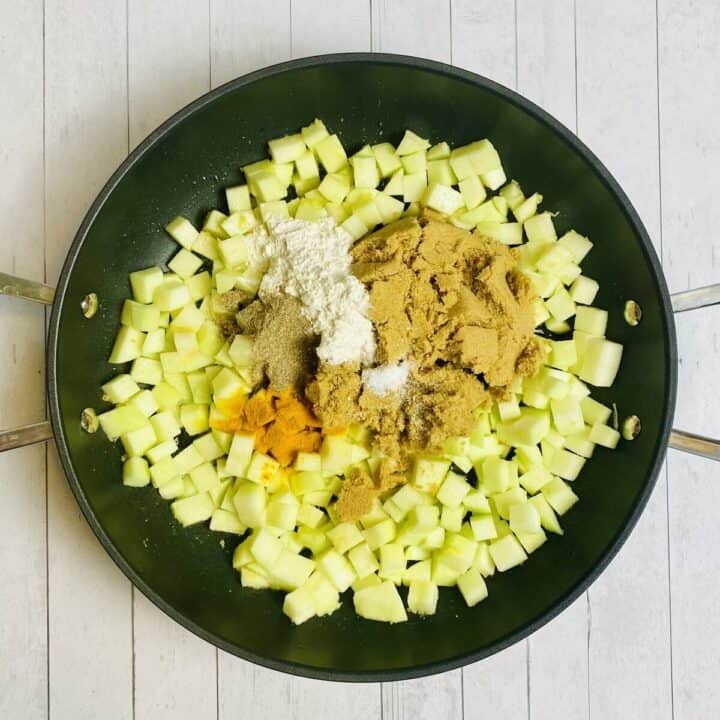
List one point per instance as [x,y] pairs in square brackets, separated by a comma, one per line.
[175,673]
[483,38]
[413,27]
[89,613]
[687,37]
[23,592]
[168,60]
[243,39]
[418,28]
[329,26]
[546,75]
[617,116]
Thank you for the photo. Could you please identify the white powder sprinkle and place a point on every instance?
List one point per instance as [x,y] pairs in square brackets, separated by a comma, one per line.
[386,378]
[311,261]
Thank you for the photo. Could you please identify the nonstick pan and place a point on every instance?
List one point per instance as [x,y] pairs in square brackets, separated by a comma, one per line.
[182,168]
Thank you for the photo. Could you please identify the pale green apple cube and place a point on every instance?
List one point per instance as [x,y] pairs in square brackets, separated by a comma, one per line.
[418,572]
[505,500]
[422,519]
[121,388]
[535,479]
[154,342]
[559,496]
[164,471]
[472,191]
[563,353]
[161,450]
[253,576]
[192,510]
[429,473]
[314,539]
[250,502]
[442,198]
[265,547]
[527,208]
[171,295]
[386,158]
[362,559]
[166,396]
[144,402]
[594,412]
[476,501]
[552,257]
[120,420]
[507,553]
[212,225]
[306,165]
[591,320]
[566,464]
[392,562]
[331,153]
[604,435]
[560,304]
[380,534]
[509,409]
[146,371]
[389,208]
[337,569]
[601,361]
[577,245]
[584,290]
[262,468]
[334,188]
[165,425]
[567,415]
[138,442]
[310,516]
[185,263]
[136,472]
[524,519]
[241,222]
[290,570]
[396,184]
[234,251]
[381,603]
[182,231]
[505,233]
[345,536]
[365,172]
[414,186]
[144,283]
[453,490]
[548,519]
[472,587]
[128,345]
[414,163]
[513,194]
[532,541]
[369,214]
[173,489]
[483,560]
[483,527]
[224,521]
[204,477]
[287,149]
[416,552]
[498,475]
[207,245]
[355,227]
[281,515]
[336,453]
[440,172]
[188,459]
[540,228]
[411,143]
[313,133]
[440,151]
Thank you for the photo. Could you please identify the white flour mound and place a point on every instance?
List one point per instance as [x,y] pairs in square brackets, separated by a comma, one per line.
[311,261]
[384,379]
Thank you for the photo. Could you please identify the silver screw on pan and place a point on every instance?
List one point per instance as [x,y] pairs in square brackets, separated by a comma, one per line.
[631,427]
[89,305]
[633,313]
[89,420]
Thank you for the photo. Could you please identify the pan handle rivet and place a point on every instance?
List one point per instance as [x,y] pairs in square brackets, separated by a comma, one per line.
[631,427]
[633,313]
[89,420]
[89,305]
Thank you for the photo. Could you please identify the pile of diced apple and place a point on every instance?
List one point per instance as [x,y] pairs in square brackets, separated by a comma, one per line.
[479,506]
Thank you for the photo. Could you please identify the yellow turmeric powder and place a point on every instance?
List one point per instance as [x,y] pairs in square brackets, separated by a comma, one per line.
[282,423]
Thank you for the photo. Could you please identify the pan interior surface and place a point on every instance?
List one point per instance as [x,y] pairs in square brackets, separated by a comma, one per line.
[183,170]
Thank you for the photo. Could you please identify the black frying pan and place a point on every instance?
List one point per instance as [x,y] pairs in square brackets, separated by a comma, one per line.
[181,169]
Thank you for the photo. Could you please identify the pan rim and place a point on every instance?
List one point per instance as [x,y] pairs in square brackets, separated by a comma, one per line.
[602,173]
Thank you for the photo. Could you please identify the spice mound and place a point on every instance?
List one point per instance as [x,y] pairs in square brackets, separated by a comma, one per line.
[455,327]
[282,423]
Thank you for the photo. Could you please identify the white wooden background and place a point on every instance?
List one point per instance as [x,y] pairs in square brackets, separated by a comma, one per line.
[83,81]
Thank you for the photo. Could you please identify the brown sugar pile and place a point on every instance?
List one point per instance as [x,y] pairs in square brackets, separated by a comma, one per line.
[454,305]
[284,343]
[440,293]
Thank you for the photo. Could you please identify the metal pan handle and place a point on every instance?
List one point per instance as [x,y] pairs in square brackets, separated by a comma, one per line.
[679,440]
[39,432]
[39,293]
